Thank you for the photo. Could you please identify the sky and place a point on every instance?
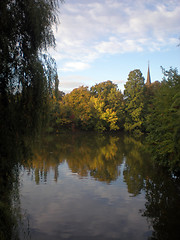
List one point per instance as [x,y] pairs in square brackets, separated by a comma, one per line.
[100,40]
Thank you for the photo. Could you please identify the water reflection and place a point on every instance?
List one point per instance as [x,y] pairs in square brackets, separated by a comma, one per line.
[13,221]
[104,187]
[138,165]
[162,207]
[97,155]
[9,208]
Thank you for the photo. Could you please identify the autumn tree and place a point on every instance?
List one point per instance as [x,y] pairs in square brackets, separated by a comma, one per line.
[134,102]
[77,103]
[108,102]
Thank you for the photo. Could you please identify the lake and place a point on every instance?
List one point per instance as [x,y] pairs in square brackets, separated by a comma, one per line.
[96,186]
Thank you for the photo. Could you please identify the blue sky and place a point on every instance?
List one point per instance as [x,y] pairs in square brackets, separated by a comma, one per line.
[99,40]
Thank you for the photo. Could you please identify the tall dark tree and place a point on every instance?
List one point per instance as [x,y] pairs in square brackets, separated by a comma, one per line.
[26,72]
[134,103]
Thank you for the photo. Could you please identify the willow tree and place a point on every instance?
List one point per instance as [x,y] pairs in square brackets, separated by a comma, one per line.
[134,102]
[26,70]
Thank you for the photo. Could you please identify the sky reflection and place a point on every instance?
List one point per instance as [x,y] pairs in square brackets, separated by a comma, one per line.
[81,208]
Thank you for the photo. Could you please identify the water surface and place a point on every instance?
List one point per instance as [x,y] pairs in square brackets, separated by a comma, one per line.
[97,186]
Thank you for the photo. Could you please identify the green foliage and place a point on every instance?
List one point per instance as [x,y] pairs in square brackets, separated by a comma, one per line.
[103,88]
[164,122]
[149,93]
[134,102]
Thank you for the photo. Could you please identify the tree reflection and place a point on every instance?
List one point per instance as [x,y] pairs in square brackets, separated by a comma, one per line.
[13,221]
[8,211]
[137,166]
[162,192]
[45,157]
[97,155]
[162,207]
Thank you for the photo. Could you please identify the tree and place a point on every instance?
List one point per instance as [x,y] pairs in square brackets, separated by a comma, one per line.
[103,89]
[134,102]
[78,104]
[26,72]
[108,102]
[56,91]
[163,122]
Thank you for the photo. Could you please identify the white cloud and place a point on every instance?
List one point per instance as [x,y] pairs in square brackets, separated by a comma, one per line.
[90,29]
[74,66]
[68,83]
[68,86]
[113,46]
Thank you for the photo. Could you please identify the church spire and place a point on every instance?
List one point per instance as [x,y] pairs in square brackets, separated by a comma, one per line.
[148,81]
